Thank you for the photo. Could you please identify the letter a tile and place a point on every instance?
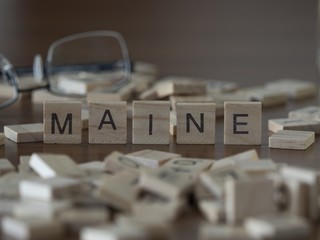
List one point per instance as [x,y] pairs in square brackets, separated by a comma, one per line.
[196,123]
[62,122]
[108,123]
[242,123]
[151,122]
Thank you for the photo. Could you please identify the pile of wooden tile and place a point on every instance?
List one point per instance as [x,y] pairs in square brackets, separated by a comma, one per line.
[141,195]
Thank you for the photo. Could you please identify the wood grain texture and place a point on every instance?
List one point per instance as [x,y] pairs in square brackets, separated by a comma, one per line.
[242,123]
[289,139]
[151,122]
[32,132]
[108,123]
[196,123]
[68,115]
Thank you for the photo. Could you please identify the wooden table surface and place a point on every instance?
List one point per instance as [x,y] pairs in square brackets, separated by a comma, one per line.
[24,112]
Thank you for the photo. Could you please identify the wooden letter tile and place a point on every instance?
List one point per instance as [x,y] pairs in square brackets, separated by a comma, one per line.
[62,122]
[289,139]
[293,124]
[242,123]
[108,123]
[196,123]
[151,122]
[24,132]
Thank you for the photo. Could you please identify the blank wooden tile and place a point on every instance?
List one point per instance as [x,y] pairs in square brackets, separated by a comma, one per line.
[49,188]
[222,232]
[247,198]
[220,86]
[151,122]
[2,139]
[119,191]
[108,122]
[289,139]
[28,208]
[242,123]
[80,217]
[32,132]
[180,86]
[295,89]
[276,125]
[62,122]
[115,232]
[306,113]
[166,183]
[309,177]
[51,165]
[234,160]
[278,226]
[93,167]
[116,162]
[31,228]
[151,158]
[6,166]
[196,123]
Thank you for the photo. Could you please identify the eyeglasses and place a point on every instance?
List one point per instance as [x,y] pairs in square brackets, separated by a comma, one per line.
[75,65]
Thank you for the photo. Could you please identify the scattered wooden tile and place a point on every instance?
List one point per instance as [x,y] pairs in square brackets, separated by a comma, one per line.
[21,133]
[289,139]
[166,183]
[258,168]
[222,232]
[297,197]
[24,164]
[242,123]
[40,209]
[76,218]
[116,162]
[213,211]
[103,94]
[215,179]
[93,167]
[149,94]
[218,86]
[142,81]
[6,166]
[50,165]
[108,123]
[309,177]
[306,113]
[295,89]
[278,227]
[151,206]
[151,158]
[192,166]
[268,97]
[234,160]
[31,228]
[196,123]
[2,139]
[49,188]
[113,232]
[119,191]
[145,68]
[9,184]
[247,198]
[41,96]
[151,122]
[180,86]
[189,99]
[62,122]
[276,125]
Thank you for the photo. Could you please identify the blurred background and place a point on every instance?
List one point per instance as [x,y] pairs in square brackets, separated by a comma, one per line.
[245,40]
